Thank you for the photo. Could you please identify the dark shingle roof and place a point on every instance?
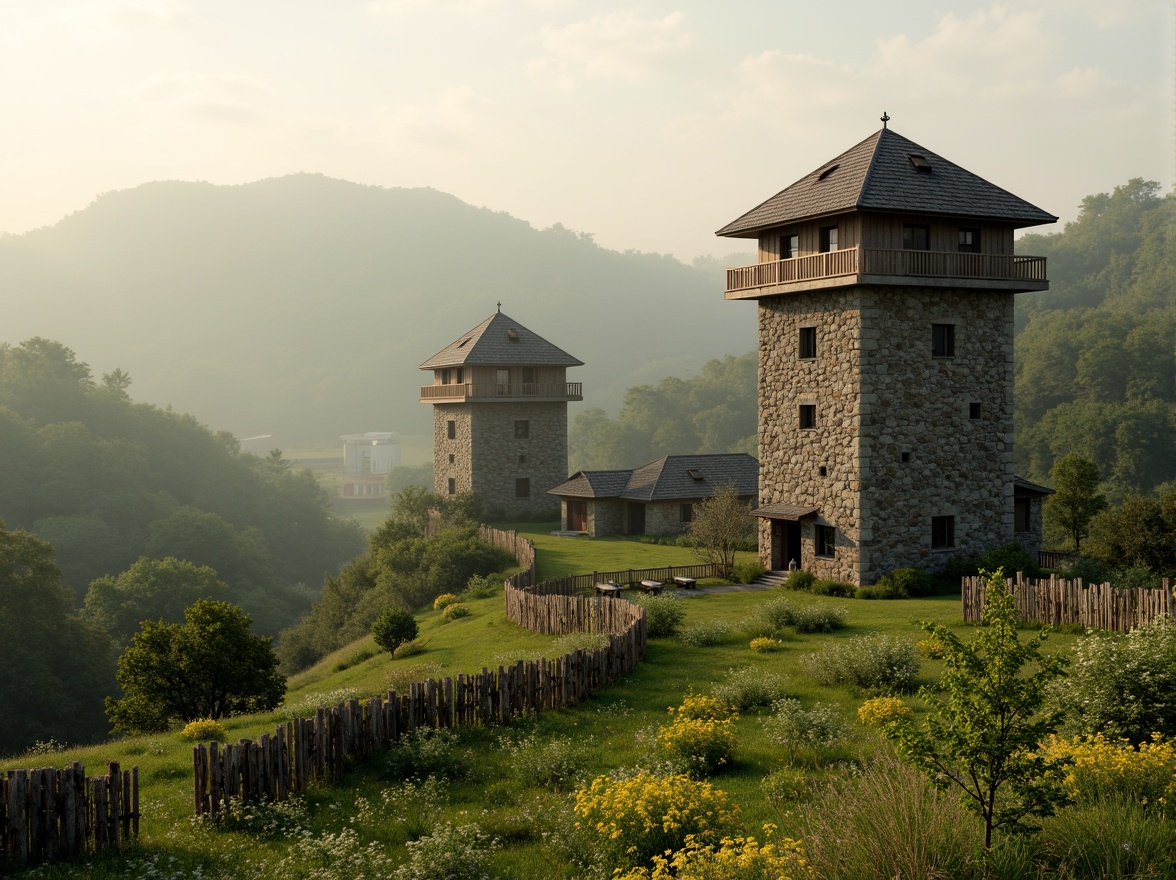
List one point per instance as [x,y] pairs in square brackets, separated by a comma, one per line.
[491,343]
[878,174]
[668,478]
[1021,486]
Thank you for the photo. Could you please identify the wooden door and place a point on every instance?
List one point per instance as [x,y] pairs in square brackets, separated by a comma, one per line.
[636,518]
[577,516]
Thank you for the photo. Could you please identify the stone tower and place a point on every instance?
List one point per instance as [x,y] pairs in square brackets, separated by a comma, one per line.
[885,288]
[500,414]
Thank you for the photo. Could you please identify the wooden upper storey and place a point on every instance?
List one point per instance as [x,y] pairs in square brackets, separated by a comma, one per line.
[887,211]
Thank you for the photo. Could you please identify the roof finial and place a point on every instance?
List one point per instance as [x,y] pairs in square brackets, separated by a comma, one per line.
[885,119]
[500,305]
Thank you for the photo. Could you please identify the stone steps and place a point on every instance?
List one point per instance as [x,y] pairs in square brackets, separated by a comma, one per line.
[772,579]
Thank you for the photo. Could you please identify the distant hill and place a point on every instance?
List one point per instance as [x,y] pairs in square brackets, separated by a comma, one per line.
[301,306]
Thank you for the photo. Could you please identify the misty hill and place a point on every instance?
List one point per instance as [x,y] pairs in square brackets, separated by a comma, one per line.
[301,306]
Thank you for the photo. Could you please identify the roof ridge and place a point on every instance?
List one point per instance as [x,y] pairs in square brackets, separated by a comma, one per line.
[879,134]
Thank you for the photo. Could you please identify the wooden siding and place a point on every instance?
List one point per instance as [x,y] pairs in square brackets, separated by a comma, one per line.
[884,231]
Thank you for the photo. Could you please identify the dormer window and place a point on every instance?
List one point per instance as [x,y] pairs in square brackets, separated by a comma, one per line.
[695,475]
[512,334]
[827,172]
[920,162]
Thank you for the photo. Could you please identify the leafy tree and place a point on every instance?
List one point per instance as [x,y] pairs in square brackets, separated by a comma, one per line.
[405,475]
[1075,500]
[276,463]
[151,589]
[55,668]
[1136,533]
[209,666]
[393,628]
[986,719]
[719,525]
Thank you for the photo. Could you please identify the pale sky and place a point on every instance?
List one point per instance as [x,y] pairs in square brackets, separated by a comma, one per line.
[647,124]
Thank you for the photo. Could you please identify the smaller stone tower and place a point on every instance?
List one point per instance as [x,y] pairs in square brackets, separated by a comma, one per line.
[500,414]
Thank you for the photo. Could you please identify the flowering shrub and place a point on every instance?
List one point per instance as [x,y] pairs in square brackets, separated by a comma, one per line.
[413,806]
[550,763]
[428,751]
[791,726]
[819,618]
[699,745]
[306,706]
[449,853]
[663,615]
[738,858]
[335,857]
[454,611]
[875,663]
[444,601]
[785,786]
[644,815]
[408,649]
[271,820]
[700,706]
[1098,767]
[882,711]
[766,645]
[749,687]
[706,634]
[204,729]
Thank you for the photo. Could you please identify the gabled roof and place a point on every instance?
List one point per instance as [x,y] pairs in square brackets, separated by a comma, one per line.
[881,174]
[500,341]
[669,478]
[1021,486]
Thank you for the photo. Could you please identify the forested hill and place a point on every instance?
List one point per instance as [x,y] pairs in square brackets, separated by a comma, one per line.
[302,306]
[106,480]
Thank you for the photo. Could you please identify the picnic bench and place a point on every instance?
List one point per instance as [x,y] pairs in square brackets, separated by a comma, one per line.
[608,590]
[685,583]
[653,588]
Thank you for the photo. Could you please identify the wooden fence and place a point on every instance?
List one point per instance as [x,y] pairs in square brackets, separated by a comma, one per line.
[308,751]
[50,815]
[1056,602]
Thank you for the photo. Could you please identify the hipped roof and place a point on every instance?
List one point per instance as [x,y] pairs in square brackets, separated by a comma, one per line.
[669,478]
[878,174]
[492,344]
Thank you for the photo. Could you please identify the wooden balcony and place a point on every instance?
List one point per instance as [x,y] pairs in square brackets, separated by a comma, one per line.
[897,267]
[490,392]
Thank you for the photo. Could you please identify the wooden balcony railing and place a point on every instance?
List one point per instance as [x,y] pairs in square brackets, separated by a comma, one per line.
[511,391]
[875,261]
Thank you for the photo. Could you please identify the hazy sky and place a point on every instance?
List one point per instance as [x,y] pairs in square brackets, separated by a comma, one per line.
[648,124]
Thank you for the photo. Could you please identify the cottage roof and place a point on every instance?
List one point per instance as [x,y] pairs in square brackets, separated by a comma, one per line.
[1021,486]
[671,477]
[888,172]
[783,510]
[500,341]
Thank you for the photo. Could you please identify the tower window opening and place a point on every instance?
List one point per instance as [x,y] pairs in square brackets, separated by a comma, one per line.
[523,487]
[826,541]
[808,415]
[943,340]
[942,532]
[451,429]
[808,343]
[975,410]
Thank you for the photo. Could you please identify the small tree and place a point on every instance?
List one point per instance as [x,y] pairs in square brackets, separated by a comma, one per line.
[718,526]
[1134,534]
[1075,500]
[982,733]
[209,666]
[393,628]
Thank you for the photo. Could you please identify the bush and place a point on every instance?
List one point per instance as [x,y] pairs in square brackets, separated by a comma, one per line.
[444,601]
[482,587]
[888,821]
[550,763]
[698,746]
[426,752]
[643,815]
[738,858]
[875,663]
[414,806]
[819,618]
[883,711]
[1097,767]
[746,572]
[765,645]
[663,615]
[838,589]
[771,617]
[784,787]
[910,581]
[800,580]
[203,730]
[354,659]
[1122,685]
[455,611]
[449,853]
[792,727]
[408,649]
[746,688]
[931,648]
[700,706]
[393,628]
[706,634]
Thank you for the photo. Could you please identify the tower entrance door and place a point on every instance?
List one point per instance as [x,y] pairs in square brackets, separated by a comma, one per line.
[785,544]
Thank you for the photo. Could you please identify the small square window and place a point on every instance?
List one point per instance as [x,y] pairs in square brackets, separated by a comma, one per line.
[826,540]
[452,486]
[685,512]
[808,415]
[824,471]
[969,240]
[916,237]
[943,340]
[523,487]
[975,410]
[808,342]
[906,456]
[789,247]
[828,239]
[452,458]
[942,532]
[522,429]
[452,429]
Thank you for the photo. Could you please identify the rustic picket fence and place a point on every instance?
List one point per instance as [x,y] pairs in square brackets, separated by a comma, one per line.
[1056,601]
[308,751]
[51,815]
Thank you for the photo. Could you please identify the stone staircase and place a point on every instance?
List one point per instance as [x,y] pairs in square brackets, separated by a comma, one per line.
[772,578]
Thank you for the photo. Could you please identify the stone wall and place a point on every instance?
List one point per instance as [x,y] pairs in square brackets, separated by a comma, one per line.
[459,470]
[499,458]
[878,394]
[1032,539]
[606,516]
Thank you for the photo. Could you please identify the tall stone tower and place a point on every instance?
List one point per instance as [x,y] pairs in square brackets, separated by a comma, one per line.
[500,414]
[885,288]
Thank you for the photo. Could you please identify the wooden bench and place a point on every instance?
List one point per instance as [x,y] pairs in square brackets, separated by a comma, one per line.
[653,588]
[608,589]
[685,583]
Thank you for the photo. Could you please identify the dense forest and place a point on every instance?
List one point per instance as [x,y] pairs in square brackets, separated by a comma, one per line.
[302,306]
[1093,363]
[106,481]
